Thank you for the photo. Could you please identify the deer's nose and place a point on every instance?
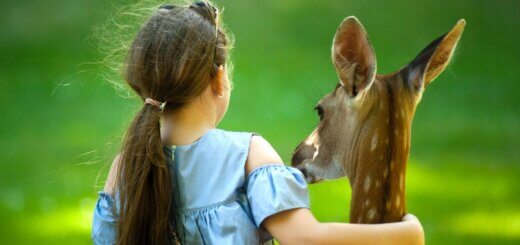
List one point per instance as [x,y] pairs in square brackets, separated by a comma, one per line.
[296,159]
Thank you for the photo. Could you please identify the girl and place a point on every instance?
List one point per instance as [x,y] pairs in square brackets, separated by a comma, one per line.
[178,179]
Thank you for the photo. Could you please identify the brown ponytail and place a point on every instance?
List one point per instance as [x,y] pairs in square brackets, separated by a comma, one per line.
[172,59]
[147,182]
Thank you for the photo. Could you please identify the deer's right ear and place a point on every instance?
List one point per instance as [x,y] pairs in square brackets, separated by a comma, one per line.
[353,56]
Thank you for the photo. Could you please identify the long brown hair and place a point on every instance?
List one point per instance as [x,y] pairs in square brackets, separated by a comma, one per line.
[173,58]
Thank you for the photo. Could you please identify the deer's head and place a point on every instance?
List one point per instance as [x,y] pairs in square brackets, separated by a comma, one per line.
[367,117]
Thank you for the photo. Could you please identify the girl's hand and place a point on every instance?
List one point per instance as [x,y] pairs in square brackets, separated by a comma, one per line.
[410,217]
[415,220]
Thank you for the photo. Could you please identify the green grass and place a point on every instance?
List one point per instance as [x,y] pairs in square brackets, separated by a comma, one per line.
[61,123]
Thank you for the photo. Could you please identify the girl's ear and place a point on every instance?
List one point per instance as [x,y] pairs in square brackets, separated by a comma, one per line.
[217,84]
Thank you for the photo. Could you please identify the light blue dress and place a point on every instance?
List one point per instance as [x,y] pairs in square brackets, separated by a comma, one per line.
[216,202]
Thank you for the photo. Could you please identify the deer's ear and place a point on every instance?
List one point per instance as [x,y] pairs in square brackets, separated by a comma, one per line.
[434,58]
[353,56]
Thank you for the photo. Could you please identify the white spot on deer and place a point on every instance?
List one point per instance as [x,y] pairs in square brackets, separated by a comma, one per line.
[385,173]
[401,182]
[386,141]
[373,145]
[378,184]
[402,113]
[388,205]
[366,185]
[316,152]
[398,202]
[372,213]
[367,202]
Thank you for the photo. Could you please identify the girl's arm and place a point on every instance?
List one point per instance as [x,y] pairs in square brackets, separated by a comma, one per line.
[299,226]
[111,178]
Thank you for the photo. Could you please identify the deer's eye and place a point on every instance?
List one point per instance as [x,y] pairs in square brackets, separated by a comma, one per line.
[319,110]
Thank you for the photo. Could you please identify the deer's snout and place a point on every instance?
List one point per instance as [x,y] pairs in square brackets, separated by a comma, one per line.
[301,156]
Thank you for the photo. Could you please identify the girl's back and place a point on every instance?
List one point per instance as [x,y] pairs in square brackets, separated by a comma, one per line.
[216,203]
[209,178]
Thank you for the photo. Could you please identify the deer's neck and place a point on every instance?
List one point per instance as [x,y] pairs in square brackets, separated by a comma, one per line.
[378,180]
[378,191]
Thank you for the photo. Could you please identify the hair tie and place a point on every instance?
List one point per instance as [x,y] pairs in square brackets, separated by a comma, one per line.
[155,103]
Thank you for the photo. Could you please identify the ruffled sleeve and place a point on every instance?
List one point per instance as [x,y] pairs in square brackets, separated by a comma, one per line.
[275,188]
[104,220]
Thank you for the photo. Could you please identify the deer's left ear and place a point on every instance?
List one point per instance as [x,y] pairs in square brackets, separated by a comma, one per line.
[434,58]
[353,56]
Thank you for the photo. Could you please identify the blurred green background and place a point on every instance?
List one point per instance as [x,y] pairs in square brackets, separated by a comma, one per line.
[61,122]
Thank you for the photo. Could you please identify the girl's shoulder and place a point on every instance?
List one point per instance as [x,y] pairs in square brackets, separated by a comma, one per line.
[259,151]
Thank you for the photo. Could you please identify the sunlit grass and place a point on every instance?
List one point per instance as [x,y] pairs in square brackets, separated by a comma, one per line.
[501,223]
[63,221]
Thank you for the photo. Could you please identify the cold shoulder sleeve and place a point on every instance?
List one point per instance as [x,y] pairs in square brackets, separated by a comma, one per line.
[104,219]
[275,188]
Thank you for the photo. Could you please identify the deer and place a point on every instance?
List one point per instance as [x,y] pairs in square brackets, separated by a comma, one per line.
[364,124]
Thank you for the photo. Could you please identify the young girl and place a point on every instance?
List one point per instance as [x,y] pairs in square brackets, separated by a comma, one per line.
[178,179]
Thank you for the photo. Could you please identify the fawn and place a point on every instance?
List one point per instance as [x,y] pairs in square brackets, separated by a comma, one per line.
[365,122]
